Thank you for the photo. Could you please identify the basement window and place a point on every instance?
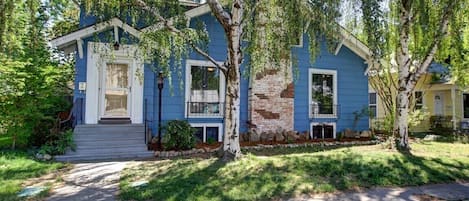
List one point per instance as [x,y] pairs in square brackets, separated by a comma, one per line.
[208,131]
[323,130]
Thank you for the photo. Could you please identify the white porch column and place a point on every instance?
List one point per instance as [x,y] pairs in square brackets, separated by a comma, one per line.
[453,103]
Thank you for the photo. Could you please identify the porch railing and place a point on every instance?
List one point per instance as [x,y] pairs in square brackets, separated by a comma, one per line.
[205,109]
[75,116]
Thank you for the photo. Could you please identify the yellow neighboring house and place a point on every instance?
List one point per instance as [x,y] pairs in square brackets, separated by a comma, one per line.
[437,94]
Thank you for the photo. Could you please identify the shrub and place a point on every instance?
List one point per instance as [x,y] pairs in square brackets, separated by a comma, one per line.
[178,135]
[211,140]
[59,145]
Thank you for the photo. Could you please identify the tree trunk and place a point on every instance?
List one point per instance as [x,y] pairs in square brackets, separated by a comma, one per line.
[231,146]
[233,28]
[403,103]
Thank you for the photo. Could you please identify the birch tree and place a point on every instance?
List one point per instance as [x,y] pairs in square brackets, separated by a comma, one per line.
[267,25]
[414,34]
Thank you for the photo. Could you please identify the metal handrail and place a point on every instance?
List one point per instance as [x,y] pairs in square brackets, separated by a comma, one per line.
[145,109]
[76,111]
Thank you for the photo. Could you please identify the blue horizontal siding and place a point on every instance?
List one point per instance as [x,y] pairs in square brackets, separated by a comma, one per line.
[352,84]
[352,89]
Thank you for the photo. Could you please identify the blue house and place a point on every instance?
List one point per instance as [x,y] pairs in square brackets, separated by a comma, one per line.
[113,84]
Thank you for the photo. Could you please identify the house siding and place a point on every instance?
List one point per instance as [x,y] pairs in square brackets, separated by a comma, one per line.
[352,83]
[352,87]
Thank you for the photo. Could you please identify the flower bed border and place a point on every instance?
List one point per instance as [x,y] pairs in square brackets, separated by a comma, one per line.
[204,150]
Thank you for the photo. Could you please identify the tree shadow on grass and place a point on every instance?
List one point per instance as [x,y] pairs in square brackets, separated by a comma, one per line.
[262,178]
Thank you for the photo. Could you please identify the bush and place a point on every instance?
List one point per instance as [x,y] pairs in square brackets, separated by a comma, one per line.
[59,145]
[178,135]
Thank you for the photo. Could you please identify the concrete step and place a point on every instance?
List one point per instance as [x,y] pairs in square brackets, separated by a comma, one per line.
[114,156]
[94,151]
[108,130]
[116,141]
[109,137]
[106,143]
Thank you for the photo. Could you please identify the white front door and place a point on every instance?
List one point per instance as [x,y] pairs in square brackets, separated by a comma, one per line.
[438,99]
[115,90]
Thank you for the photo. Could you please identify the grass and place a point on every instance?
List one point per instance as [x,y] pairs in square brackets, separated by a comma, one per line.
[17,167]
[5,142]
[278,173]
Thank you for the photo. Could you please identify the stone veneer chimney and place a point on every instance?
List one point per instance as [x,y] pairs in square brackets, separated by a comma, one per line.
[272,100]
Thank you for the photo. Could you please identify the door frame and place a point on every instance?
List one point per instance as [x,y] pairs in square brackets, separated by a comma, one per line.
[442,101]
[102,87]
[97,55]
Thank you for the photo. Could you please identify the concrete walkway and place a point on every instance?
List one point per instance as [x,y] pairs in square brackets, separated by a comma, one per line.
[453,191]
[90,181]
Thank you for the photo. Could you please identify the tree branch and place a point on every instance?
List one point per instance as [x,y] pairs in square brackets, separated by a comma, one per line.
[442,32]
[169,25]
[222,16]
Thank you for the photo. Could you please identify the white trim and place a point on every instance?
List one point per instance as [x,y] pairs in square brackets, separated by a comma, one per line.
[189,64]
[85,32]
[98,55]
[300,45]
[334,82]
[442,100]
[462,105]
[205,125]
[354,44]
[375,104]
[80,48]
[102,85]
[339,46]
[116,34]
[333,124]
[415,99]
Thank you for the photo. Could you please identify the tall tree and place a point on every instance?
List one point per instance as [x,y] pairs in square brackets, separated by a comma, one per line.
[268,25]
[32,84]
[413,34]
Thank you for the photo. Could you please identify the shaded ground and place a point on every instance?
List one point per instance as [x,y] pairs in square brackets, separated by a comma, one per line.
[90,181]
[18,167]
[279,173]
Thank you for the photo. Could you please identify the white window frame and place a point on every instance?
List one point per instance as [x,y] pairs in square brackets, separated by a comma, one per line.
[375,104]
[334,82]
[415,100]
[188,81]
[205,125]
[462,106]
[333,124]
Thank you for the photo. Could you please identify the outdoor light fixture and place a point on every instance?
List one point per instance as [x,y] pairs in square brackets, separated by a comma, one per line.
[160,89]
[116,46]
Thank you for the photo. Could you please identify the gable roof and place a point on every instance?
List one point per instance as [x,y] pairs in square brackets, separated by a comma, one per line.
[348,39]
[71,38]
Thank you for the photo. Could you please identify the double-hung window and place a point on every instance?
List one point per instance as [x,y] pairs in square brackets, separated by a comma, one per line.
[205,89]
[372,104]
[465,106]
[322,93]
[418,97]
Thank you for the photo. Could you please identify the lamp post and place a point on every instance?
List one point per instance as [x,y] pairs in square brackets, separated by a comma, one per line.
[160,89]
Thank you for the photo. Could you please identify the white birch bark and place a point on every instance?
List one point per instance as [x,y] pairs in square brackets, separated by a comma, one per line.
[232,25]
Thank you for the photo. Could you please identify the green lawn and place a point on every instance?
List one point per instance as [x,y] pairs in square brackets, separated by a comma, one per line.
[287,172]
[16,167]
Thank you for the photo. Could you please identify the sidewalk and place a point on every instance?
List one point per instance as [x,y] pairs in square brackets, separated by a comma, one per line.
[452,191]
[90,181]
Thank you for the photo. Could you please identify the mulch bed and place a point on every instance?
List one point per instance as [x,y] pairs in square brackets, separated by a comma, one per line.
[155,146]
